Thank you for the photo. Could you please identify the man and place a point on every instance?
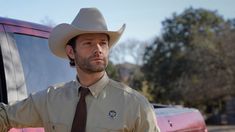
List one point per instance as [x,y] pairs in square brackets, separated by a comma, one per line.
[91,103]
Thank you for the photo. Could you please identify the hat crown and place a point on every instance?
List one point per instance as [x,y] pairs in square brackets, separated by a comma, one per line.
[90,19]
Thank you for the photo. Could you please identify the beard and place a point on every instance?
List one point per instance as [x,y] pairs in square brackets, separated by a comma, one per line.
[91,64]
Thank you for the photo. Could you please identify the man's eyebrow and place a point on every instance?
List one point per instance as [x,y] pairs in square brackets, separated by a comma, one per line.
[87,39]
[104,40]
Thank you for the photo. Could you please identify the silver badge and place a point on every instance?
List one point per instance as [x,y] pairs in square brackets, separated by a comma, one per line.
[112,114]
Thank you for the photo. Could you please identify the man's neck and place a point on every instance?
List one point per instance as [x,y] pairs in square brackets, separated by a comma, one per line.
[87,79]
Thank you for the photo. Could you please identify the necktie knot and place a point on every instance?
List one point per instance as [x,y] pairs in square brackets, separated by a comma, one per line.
[84,91]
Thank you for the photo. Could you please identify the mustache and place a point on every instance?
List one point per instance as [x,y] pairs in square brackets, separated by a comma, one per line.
[96,57]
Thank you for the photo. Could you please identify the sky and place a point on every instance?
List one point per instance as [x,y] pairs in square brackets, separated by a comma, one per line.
[142,17]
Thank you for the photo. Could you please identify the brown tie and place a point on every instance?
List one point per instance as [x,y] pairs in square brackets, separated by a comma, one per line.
[79,121]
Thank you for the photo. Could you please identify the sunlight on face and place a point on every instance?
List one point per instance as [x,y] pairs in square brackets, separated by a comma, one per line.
[91,53]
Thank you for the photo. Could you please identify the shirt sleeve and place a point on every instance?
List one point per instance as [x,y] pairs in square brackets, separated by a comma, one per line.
[146,121]
[19,115]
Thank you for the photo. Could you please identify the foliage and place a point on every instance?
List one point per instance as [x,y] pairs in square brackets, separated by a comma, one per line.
[128,58]
[192,62]
[112,71]
[131,50]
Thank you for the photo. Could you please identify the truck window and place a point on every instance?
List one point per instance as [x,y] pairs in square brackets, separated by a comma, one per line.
[3,92]
[41,68]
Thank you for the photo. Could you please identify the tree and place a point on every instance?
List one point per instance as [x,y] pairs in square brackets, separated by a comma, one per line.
[131,50]
[112,71]
[187,63]
[128,58]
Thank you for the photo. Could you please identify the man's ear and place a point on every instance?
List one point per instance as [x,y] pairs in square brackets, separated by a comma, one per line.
[69,51]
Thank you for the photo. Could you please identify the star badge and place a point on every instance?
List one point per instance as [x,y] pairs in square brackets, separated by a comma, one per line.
[112,114]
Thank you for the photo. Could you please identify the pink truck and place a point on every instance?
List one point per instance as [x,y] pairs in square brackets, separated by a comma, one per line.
[25,60]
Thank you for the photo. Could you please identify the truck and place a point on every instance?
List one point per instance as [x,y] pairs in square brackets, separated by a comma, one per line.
[28,66]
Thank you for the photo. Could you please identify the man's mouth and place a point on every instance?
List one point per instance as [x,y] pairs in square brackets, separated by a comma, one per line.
[97,59]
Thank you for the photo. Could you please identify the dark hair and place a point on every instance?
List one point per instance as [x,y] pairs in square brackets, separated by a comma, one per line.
[72,43]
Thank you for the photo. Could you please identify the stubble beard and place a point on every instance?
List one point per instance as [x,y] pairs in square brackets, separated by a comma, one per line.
[86,65]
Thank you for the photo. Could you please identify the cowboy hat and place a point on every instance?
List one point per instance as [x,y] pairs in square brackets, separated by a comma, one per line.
[88,20]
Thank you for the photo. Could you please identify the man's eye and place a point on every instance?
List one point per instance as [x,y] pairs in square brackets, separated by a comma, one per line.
[87,43]
[104,43]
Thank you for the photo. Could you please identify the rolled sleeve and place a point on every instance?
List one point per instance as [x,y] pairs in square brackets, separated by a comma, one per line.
[19,115]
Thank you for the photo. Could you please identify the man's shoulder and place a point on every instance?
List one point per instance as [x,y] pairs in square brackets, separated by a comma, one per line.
[56,88]
[128,91]
[61,86]
[56,91]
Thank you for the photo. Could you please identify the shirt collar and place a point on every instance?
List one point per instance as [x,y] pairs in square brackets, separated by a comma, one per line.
[97,87]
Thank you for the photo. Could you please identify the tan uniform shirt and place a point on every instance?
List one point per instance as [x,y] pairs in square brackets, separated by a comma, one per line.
[111,106]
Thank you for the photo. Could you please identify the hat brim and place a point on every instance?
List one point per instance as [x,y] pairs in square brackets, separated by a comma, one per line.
[62,33]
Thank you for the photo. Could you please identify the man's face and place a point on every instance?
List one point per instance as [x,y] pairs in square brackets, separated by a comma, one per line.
[91,52]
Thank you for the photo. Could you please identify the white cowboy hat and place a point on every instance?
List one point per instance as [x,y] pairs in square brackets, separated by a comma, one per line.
[88,20]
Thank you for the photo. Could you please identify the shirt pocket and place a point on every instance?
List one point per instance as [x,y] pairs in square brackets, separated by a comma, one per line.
[56,127]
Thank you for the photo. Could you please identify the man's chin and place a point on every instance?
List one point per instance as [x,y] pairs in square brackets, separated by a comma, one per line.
[97,68]
[94,67]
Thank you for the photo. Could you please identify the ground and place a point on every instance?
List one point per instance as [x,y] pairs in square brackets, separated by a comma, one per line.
[221,128]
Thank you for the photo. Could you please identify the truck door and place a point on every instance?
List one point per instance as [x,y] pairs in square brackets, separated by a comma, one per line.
[3,92]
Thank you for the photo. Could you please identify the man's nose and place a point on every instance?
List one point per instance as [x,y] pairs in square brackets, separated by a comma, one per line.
[98,49]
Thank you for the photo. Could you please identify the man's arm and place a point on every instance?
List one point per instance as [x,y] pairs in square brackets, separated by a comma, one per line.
[4,123]
[19,115]
[146,121]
